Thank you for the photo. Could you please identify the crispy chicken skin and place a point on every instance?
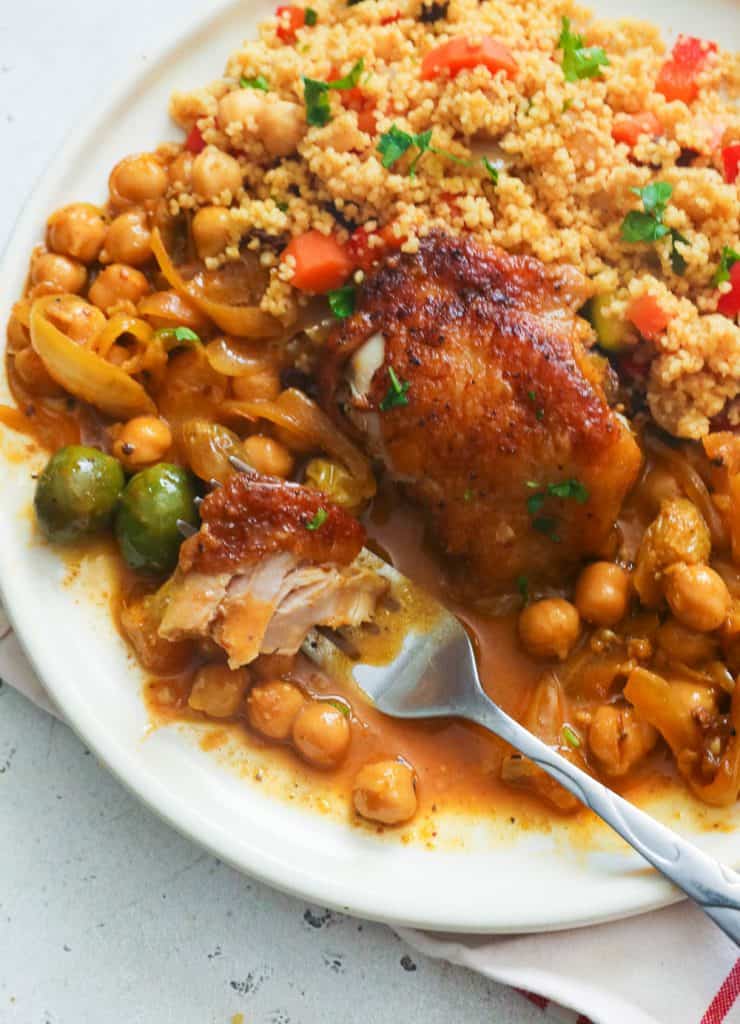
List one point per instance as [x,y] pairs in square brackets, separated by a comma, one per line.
[502,401]
[270,561]
[255,515]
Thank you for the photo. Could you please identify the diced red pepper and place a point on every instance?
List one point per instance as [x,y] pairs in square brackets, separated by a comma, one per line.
[365,256]
[691,51]
[321,263]
[359,250]
[367,120]
[390,237]
[648,316]
[290,19]
[729,303]
[677,78]
[731,162]
[458,54]
[357,100]
[391,18]
[628,128]
[195,143]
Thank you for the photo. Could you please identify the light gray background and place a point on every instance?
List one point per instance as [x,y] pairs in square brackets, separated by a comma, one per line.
[106,915]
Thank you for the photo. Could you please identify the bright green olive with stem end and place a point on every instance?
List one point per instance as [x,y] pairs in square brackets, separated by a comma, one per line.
[146,522]
[77,493]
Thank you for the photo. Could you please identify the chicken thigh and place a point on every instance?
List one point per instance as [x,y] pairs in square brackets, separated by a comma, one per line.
[464,370]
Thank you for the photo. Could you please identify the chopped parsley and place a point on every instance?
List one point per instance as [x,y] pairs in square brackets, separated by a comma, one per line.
[316,93]
[727,261]
[339,705]
[567,104]
[569,489]
[281,204]
[396,395]
[522,585]
[258,82]
[493,171]
[566,490]
[539,411]
[174,336]
[310,17]
[318,520]
[468,495]
[571,737]
[342,301]
[547,525]
[647,225]
[395,142]
[579,61]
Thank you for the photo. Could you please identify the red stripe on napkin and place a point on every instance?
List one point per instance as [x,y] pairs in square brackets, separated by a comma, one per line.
[721,1005]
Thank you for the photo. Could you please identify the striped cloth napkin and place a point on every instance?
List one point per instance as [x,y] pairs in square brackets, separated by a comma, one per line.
[672,966]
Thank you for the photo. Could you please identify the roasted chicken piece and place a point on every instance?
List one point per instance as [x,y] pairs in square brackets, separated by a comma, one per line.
[271,560]
[464,370]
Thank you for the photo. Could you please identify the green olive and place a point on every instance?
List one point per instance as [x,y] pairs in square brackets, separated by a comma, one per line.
[146,521]
[77,492]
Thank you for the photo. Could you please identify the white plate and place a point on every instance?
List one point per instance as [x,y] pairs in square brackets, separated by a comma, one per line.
[481,883]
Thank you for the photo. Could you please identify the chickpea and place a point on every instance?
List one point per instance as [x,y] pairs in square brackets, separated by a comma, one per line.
[619,738]
[76,318]
[137,178]
[267,456]
[181,171]
[218,690]
[142,441]
[273,666]
[385,792]
[261,385]
[241,106]
[77,230]
[213,230]
[282,126]
[128,240]
[272,708]
[30,368]
[677,534]
[697,595]
[278,124]
[65,274]
[321,733]
[603,593]
[549,628]
[679,643]
[117,284]
[215,172]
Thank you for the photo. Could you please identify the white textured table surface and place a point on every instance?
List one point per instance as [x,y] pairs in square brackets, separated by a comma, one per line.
[106,915]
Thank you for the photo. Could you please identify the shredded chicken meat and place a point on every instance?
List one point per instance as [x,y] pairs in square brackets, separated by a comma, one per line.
[270,561]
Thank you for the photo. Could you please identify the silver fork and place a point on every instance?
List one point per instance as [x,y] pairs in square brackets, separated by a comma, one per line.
[434,674]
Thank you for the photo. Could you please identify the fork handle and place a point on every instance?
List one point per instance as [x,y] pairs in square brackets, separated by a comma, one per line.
[715,887]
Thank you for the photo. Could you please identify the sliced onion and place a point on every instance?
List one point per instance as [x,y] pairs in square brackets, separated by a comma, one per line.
[296,413]
[234,358]
[243,321]
[83,373]
[170,309]
[118,325]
